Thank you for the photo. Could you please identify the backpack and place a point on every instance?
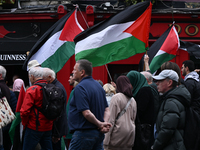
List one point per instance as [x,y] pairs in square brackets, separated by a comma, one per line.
[53,101]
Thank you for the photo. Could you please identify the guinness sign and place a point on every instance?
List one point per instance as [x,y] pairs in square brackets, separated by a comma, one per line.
[12,58]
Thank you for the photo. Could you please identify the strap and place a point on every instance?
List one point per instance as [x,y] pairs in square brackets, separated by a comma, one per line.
[124,110]
[37,118]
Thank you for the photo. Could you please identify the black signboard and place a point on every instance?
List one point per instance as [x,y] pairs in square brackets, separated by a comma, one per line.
[12,58]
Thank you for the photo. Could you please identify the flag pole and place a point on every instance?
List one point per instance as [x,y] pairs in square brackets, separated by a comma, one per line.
[82,16]
[108,73]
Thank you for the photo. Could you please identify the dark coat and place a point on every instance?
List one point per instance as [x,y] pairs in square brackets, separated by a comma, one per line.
[5,90]
[193,87]
[145,105]
[171,120]
[60,125]
[145,114]
[192,137]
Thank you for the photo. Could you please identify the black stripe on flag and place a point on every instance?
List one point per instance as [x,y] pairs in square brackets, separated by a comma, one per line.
[51,31]
[155,47]
[129,14]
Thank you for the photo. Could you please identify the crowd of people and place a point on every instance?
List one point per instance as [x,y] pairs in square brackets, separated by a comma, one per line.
[109,116]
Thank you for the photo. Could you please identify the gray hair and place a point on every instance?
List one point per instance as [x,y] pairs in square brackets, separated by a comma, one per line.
[85,65]
[37,72]
[147,75]
[3,71]
[48,72]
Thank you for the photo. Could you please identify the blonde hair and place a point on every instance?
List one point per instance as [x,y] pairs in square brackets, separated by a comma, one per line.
[75,84]
[109,88]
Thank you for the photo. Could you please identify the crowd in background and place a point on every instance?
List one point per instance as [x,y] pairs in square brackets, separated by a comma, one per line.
[109,116]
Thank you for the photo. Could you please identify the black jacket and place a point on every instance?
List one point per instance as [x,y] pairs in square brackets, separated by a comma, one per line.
[60,125]
[5,90]
[193,87]
[171,119]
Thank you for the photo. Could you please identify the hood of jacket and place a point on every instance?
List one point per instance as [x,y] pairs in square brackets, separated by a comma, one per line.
[180,93]
[194,75]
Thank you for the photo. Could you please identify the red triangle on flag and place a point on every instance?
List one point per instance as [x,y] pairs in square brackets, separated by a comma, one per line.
[140,28]
[71,28]
[171,43]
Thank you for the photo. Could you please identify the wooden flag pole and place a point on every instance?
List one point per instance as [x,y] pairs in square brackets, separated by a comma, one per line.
[108,73]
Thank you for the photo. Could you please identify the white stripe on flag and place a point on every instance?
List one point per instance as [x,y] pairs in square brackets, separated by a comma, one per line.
[102,38]
[48,49]
[160,52]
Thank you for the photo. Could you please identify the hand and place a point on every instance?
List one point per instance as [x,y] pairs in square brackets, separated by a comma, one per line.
[197,70]
[105,127]
[55,139]
[146,58]
[113,84]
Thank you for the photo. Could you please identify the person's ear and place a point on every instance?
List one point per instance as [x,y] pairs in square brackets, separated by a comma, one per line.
[170,82]
[82,72]
[187,69]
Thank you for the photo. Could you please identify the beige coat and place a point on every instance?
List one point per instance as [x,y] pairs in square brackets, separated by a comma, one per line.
[122,134]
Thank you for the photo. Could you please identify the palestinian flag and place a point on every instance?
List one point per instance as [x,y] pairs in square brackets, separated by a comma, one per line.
[119,37]
[192,48]
[164,49]
[17,121]
[56,46]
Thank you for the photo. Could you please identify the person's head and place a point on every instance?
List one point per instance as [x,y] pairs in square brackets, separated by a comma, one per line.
[18,83]
[2,73]
[15,77]
[187,67]
[82,68]
[166,80]
[71,80]
[124,85]
[172,66]
[109,89]
[137,81]
[33,63]
[35,73]
[48,75]
[100,82]
[148,76]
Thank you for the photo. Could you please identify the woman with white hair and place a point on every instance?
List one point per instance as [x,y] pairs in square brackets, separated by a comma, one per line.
[110,91]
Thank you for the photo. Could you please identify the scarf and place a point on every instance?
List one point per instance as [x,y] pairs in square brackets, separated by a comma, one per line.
[124,85]
[137,81]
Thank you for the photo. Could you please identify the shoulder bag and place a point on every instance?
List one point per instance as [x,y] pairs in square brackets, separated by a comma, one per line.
[124,110]
[6,114]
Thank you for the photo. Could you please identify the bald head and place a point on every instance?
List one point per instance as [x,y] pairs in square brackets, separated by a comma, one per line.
[148,76]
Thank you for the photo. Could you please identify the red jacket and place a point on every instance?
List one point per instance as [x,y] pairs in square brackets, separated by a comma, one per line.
[33,97]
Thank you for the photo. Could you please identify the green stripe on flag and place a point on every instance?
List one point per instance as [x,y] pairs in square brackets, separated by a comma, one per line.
[63,147]
[13,126]
[118,50]
[159,60]
[60,57]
